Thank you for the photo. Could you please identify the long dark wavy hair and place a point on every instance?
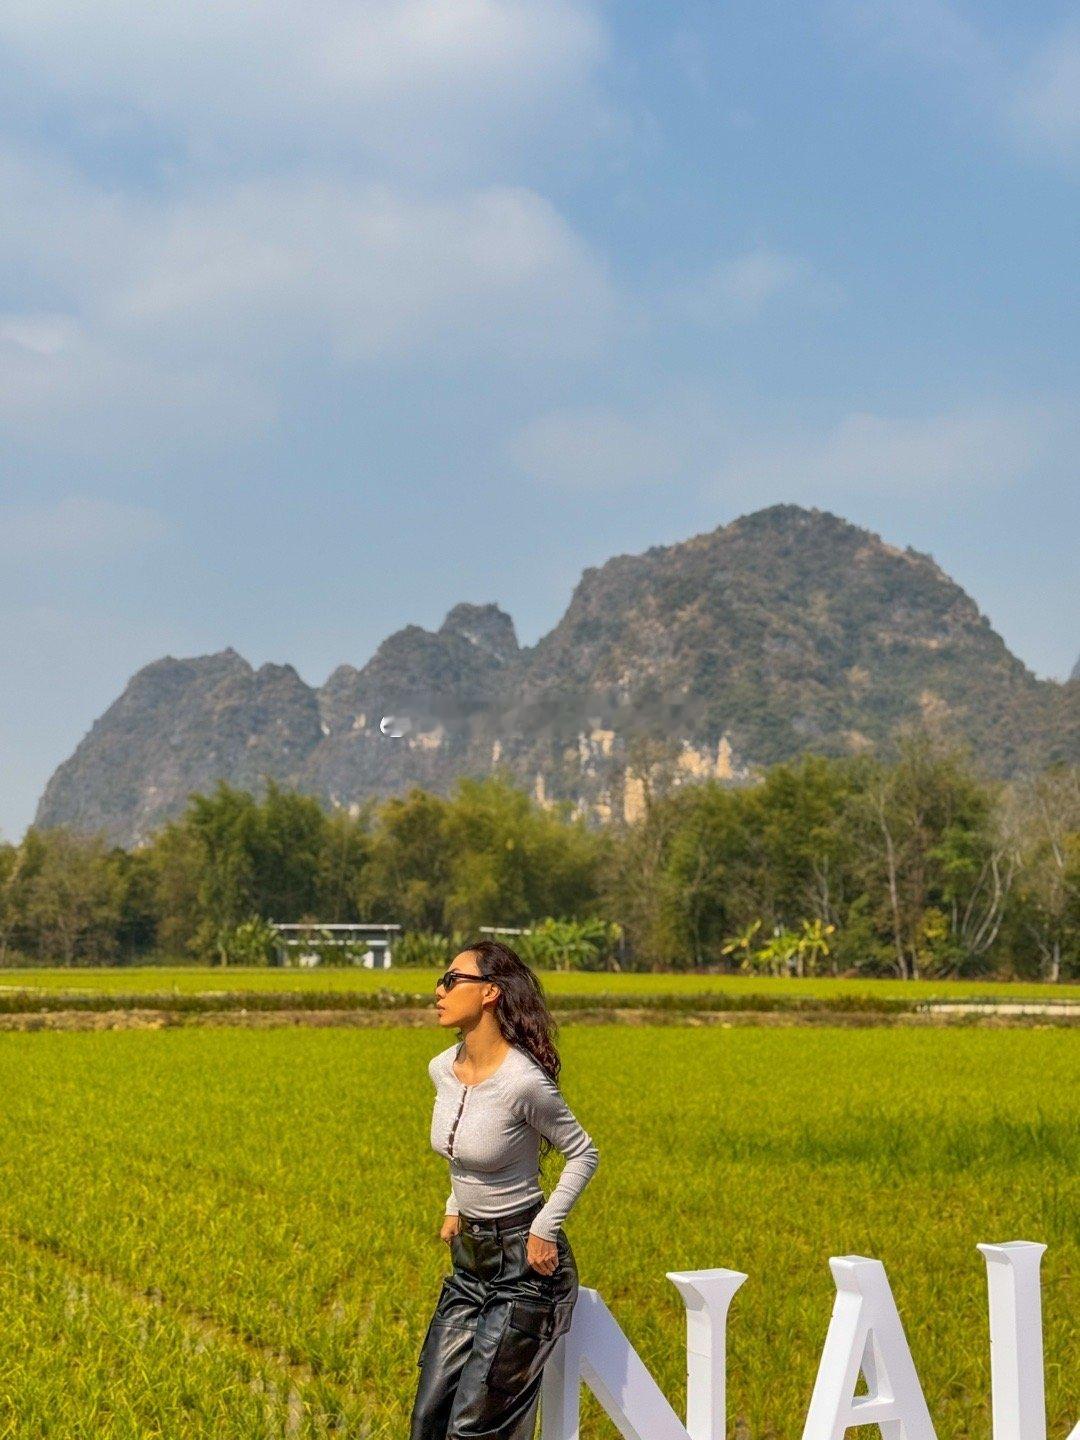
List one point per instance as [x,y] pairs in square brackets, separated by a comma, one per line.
[521,1010]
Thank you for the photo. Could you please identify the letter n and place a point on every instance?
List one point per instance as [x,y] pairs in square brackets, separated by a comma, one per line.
[595,1351]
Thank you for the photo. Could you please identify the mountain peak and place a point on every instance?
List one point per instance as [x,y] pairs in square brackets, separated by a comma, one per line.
[485,626]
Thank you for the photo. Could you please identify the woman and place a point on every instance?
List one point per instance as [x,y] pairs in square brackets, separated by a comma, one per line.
[511,1293]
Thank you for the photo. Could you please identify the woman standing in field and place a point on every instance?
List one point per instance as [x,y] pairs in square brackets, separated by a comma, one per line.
[514,1283]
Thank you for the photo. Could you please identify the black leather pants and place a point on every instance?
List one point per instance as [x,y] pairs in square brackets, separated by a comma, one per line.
[495,1324]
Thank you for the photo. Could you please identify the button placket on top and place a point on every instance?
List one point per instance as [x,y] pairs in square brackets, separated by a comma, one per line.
[457,1117]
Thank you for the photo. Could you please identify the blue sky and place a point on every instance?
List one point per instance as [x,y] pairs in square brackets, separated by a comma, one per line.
[318,316]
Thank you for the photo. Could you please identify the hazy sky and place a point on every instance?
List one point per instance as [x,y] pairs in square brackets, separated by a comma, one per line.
[319,316]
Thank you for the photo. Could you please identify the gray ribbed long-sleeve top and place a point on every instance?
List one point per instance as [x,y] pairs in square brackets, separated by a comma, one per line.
[490,1132]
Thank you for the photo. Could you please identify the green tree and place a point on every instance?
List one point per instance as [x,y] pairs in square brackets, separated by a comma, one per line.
[176,858]
[288,844]
[512,861]
[344,856]
[1045,815]
[137,923]
[741,946]
[703,875]
[708,860]
[409,863]
[928,835]
[225,826]
[571,944]
[9,868]
[797,822]
[70,897]
[812,947]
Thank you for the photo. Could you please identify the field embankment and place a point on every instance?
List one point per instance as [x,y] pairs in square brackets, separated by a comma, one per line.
[153,996]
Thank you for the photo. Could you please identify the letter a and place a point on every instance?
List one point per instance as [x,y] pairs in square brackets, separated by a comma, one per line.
[865,1334]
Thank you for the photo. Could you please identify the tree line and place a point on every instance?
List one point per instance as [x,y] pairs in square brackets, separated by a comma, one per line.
[916,866]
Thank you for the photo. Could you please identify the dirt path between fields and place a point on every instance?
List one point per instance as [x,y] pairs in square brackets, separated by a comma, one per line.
[983,1016]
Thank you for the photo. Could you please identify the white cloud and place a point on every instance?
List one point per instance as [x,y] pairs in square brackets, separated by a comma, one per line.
[741,288]
[371,272]
[1030,95]
[78,527]
[930,31]
[38,335]
[980,447]
[1045,106]
[411,78]
[690,438]
[80,393]
[674,439]
[164,307]
[380,48]
[268,242]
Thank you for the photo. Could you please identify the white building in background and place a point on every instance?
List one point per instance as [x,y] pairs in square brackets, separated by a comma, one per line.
[296,943]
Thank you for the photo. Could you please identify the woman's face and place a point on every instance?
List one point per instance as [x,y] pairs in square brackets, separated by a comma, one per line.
[463,1003]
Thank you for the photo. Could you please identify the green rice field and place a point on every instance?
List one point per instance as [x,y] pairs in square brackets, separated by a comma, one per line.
[189,979]
[234,1233]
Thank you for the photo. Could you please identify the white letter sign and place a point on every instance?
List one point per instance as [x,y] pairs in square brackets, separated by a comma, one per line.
[596,1351]
[865,1335]
[1016,1340]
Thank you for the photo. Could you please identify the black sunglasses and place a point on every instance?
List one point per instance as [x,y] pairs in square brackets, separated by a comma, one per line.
[450,979]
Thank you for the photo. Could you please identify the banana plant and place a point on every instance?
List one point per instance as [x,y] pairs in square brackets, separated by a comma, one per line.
[813,945]
[742,945]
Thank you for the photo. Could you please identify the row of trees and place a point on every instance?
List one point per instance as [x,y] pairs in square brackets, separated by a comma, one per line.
[916,867]
[913,868]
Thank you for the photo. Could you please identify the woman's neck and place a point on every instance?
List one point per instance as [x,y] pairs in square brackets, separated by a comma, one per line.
[483,1050]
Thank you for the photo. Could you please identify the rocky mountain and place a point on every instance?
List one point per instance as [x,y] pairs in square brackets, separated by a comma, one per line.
[1075,675]
[178,727]
[787,630]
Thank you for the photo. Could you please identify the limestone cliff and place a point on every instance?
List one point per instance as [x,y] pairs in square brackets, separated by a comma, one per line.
[785,631]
